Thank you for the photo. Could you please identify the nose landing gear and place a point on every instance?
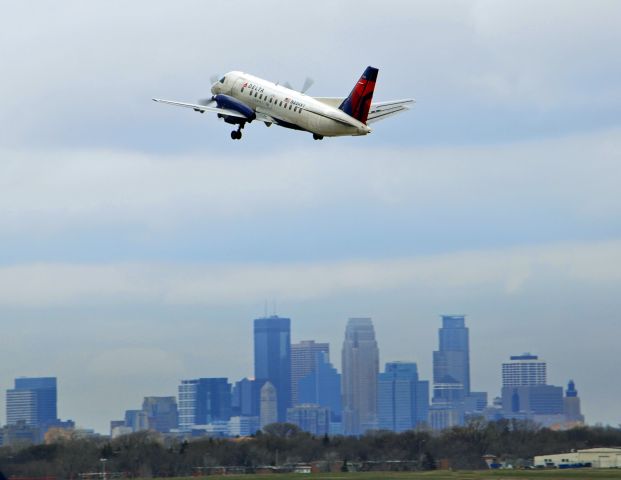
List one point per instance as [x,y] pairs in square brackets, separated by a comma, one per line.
[317,136]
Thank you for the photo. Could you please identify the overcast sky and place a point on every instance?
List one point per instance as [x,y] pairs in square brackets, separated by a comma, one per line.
[138,241]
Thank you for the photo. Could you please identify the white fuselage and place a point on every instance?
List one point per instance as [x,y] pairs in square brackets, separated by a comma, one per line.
[287,107]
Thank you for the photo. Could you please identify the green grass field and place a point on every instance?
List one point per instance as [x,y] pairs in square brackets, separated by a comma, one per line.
[583,474]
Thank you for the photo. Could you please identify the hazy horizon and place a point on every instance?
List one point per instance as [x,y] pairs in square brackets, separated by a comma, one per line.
[139,241]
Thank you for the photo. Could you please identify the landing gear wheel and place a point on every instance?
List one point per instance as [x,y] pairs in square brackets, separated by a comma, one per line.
[236,134]
[317,136]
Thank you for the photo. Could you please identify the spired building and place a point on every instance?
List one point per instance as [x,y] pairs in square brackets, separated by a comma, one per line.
[360,363]
[32,401]
[272,358]
[571,404]
[269,404]
[303,362]
[402,399]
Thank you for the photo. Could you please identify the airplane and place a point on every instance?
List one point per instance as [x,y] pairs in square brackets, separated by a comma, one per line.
[240,98]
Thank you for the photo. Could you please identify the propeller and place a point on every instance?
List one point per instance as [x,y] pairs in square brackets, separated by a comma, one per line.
[204,101]
[307,84]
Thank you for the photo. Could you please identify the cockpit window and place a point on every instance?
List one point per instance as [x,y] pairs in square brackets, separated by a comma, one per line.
[222,79]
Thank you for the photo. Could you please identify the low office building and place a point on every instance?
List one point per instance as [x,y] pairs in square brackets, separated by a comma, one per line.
[243,426]
[311,418]
[591,457]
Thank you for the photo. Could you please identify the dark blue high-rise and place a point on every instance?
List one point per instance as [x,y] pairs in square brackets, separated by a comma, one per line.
[451,362]
[402,399]
[204,400]
[322,386]
[33,400]
[272,358]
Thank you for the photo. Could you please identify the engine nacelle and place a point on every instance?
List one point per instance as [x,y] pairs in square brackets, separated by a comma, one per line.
[226,101]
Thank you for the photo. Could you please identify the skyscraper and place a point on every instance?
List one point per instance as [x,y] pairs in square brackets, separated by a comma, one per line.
[525,392]
[203,401]
[245,398]
[402,399]
[451,362]
[272,358]
[451,373]
[34,401]
[161,413]
[322,386]
[571,404]
[303,362]
[523,370]
[360,361]
[269,404]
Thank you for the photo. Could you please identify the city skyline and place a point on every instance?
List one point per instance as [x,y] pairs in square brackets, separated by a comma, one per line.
[137,240]
[215,403]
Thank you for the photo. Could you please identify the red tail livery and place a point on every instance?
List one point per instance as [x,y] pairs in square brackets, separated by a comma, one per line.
[359,101]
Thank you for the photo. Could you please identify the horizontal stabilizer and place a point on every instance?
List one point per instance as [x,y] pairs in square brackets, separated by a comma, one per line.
[381,110]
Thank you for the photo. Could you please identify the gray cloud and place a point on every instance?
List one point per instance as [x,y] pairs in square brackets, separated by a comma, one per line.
[506,270]
[55,190]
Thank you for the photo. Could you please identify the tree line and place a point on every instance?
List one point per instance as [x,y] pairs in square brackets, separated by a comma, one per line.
[148,454]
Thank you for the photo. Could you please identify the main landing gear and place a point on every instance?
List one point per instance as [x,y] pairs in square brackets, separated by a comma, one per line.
[316,136]
[237,134]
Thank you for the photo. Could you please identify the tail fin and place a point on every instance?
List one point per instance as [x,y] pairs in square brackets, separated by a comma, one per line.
[359,101]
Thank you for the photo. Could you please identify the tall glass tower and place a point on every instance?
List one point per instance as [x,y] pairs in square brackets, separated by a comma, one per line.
[304,361]
[403,400]
[451,362]
[322,386]
[272,358]
[33,400]
[203,400]
[359,379]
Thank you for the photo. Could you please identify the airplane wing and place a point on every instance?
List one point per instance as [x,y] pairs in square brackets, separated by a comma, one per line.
[203,108]
[381,110]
